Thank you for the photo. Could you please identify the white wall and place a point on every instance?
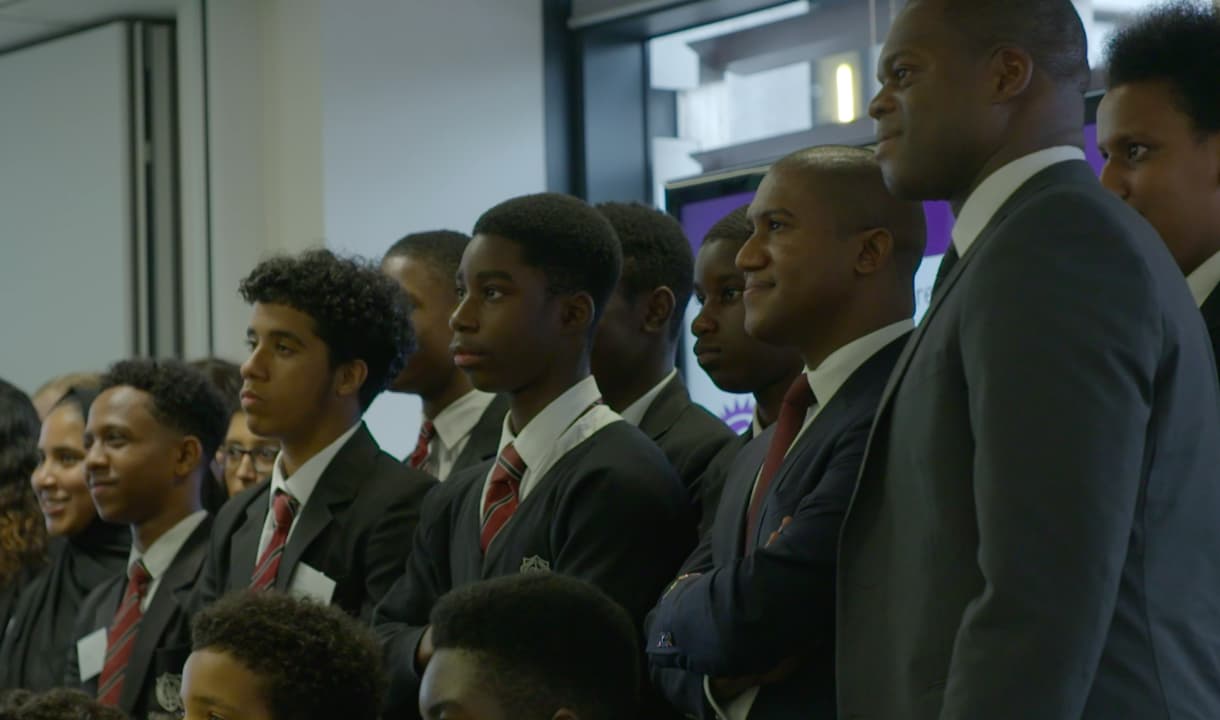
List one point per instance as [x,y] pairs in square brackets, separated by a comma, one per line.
[432,112]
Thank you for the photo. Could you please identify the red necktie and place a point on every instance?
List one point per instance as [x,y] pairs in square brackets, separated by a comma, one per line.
[121,638]
[419,456]
[285,509]
[501,501]
[797,402]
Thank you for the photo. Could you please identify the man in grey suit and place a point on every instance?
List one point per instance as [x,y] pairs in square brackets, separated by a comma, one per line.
[1035,530]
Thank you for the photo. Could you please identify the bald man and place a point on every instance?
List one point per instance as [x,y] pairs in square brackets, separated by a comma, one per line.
[747,629]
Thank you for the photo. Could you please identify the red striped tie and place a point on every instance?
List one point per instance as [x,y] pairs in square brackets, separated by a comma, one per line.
[501,501]
[419,456]
[121,637]
[797,402]
[285,508]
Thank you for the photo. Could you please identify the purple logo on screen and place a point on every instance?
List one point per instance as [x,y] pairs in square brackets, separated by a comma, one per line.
[738,415]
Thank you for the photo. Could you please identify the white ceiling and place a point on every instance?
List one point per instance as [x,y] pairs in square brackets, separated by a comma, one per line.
[23,21]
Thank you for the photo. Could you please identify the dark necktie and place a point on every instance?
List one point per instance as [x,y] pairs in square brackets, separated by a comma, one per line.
[419,456]
[502,494]
[797,402]
[285,508]
[121,638]
[946,264]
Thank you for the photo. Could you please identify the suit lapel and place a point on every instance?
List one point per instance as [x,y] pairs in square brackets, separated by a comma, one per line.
[183,572]
[1055,174]
[336,489]
[485,435]
[735,500]
[665,409]
[243,547]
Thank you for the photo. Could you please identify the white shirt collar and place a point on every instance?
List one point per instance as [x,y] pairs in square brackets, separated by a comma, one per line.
[456,421]
[992,193]
[160,555]
[1204,279]
[634,413]
[826,379]
[302,483]
[538,437]
[756,426]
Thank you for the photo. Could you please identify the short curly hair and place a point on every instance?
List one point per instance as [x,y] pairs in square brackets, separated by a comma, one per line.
[182,397]
[359,313]
[655,253]
[56,704]
[225,376]
[439,249]
[313,660]
[734,227]
[573,245]
[545,641]
[1177,44]
[22,534]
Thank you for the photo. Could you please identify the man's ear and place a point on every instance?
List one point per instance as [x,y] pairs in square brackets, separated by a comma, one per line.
[350,377]
[659,310]
[190,452]
[876,250]
[576,313]
[1010,72]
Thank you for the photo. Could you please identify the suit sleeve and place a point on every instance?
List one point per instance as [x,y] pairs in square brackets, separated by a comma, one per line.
[747,617]
[626,535]
[390,538]
[401,618]
[1060,360]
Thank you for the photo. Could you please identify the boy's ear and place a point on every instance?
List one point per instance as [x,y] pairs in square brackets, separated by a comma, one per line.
[190,452]
[350,376]
[576,313]
[660,307]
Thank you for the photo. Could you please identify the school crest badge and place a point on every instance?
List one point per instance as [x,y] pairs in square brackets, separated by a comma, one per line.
[535,563]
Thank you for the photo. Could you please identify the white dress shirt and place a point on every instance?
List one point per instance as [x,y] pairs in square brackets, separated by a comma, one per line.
[300,485]
[453,427]
[566,422]
[1204,279]
[160,555]
[634,413]
[993,192]
[825,380]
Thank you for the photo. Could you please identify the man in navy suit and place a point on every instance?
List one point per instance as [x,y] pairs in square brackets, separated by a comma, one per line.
[747,628]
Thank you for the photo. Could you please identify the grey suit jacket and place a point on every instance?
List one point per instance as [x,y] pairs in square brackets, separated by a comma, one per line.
[1036,528]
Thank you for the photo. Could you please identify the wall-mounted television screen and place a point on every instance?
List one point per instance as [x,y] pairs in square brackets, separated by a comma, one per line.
[699,203]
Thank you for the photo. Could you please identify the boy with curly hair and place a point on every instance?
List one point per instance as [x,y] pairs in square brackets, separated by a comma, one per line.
[268,656]
[326,336]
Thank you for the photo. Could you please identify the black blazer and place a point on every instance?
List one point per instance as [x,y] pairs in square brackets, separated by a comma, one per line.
[356,529]
[711,483]
[154,672]
[610,511]
[484,442]
[744,615]
[1211,316]
[689,435]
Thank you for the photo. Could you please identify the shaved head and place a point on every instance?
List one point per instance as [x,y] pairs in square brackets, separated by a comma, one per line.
[850,180]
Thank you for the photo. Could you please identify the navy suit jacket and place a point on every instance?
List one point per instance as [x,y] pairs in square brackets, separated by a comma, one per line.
[744,615]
